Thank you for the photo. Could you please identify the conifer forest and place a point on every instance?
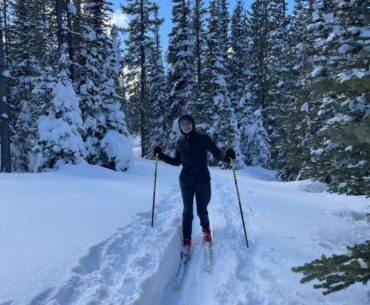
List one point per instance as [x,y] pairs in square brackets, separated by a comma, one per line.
[288,92]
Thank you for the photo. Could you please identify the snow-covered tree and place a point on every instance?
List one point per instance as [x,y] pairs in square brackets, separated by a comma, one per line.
[60,125]
[256,147]
[278,78]
[218,118]
[296,111]
[239,57]
[106,133]
[181,61]
[30,57]
[339,94]
[138,45]
[256,87]
[59,129]
[157,94]
[199,38]
[5,161]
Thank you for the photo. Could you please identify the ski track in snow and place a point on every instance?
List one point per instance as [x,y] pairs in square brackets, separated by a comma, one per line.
[136,265]
[128,267]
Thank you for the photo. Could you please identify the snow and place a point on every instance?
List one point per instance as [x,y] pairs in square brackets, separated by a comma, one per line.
[353,73]
[82,235]
[6,73]
[365,32]
[117,148]
[304,107]
[120,19]
[317,71]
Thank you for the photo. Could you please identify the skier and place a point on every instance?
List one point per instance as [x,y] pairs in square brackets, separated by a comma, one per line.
[191,152]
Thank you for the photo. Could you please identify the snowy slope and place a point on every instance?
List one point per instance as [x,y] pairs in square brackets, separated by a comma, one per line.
[82,235]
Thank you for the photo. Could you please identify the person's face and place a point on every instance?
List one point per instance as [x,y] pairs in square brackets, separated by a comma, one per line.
[186,126]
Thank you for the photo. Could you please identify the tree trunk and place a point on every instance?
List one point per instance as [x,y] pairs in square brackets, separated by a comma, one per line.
[59,9]
[198,28]
[70,40]
[142,83]
[4,107]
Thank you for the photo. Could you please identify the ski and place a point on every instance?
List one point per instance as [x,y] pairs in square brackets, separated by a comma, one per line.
[208,256]
[180,274]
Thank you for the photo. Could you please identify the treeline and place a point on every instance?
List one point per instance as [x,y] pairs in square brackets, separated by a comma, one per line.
[60,73]
[288,92]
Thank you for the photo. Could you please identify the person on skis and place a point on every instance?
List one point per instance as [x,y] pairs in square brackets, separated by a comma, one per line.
[191,152]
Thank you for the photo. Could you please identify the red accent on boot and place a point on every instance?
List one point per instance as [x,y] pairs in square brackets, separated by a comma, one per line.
[186,247]
[207,236]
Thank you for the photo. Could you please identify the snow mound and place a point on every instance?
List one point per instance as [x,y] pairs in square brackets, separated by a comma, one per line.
[258,173]
[310,186]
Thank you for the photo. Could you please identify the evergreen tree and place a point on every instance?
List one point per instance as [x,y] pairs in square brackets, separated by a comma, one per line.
[298,121]
[199,37]
[256,146]
[338,272]
[5,161]
[60,126]
[59,129]
[256,88]
[218,117]
[138,47]
[278,78]
[339,85]
[156,90]
[258,33]
[181,61]
[100,104]
[239,57]
[29,68]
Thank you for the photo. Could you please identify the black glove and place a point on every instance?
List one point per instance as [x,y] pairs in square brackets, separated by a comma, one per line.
[158,150]
[230,153]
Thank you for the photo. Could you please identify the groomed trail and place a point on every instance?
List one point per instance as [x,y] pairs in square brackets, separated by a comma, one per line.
[287,225]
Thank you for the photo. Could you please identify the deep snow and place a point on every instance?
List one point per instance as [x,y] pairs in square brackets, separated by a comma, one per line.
[82,235]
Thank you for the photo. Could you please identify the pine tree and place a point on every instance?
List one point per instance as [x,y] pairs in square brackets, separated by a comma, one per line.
[156,90]
[258,33]
[218,117]
[199,37]
[256,88]
[294,146]
[239,57]
[138,47]
[5,161]
[60,126]
[181,61]
[256,146]
[59,129]
[29,67]
[278,78]
[338,272]
[339,93]
[104,122]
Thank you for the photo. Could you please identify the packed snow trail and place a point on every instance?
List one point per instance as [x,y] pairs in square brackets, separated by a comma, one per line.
[287,224]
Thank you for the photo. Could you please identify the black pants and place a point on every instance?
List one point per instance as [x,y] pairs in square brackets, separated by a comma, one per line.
[202,192]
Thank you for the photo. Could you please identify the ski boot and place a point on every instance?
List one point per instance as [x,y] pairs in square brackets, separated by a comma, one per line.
[186,247]
[207,236]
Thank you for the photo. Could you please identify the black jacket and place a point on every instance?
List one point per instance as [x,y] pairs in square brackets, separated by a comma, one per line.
[191,152]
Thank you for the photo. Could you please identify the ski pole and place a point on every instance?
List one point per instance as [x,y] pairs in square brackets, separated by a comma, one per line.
[240,205]
[155,184]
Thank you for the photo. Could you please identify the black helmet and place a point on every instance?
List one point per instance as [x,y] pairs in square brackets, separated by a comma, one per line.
[186,117]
